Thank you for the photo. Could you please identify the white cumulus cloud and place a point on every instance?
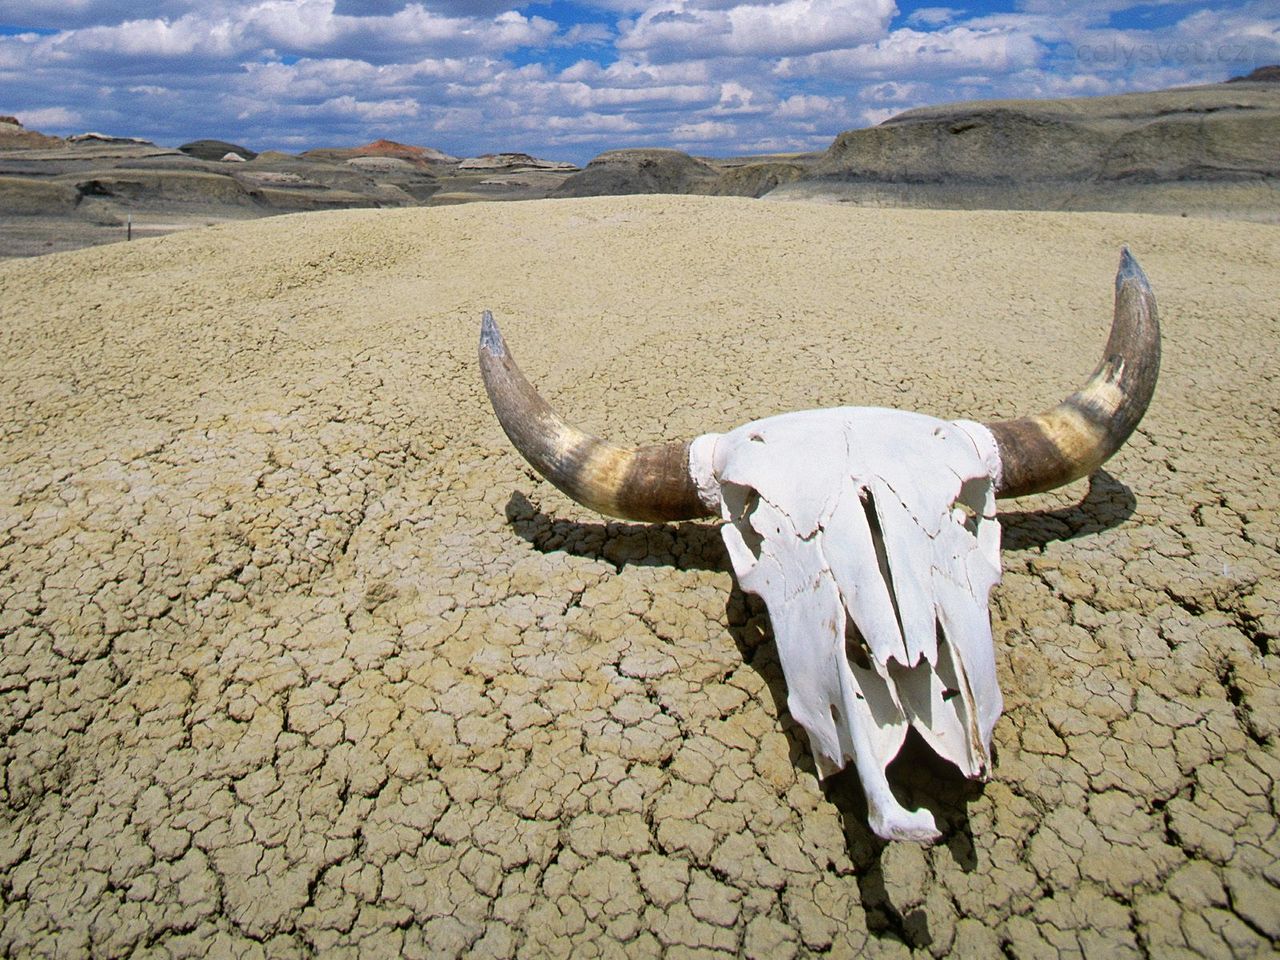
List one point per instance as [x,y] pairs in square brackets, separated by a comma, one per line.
[807,106]
[677,30]
[703,132]
[568,79]
[46,117]
[916,53]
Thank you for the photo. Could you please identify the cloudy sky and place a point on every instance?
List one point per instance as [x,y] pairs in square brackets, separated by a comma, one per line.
[566,80]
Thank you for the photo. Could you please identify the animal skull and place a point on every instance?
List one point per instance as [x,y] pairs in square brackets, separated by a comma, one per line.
[876,577]
[870,535]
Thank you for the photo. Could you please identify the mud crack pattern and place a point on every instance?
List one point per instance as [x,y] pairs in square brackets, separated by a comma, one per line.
[299,660]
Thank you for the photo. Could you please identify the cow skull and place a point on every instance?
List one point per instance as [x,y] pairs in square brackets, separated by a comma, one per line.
[870,535]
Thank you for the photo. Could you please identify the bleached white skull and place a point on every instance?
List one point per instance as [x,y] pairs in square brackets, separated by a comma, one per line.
[876,576]
[870,534]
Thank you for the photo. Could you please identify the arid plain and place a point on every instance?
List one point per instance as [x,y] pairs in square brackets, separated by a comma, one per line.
[299,658]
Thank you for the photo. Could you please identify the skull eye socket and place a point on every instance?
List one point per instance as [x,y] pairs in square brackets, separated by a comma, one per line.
[741,502]
[965,516]
[970,504]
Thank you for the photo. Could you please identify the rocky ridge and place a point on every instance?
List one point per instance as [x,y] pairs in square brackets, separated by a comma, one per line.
[1210,150]
[60,194]
[1196,149]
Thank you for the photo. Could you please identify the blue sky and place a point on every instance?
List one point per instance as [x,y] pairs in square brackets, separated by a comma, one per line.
[567,80]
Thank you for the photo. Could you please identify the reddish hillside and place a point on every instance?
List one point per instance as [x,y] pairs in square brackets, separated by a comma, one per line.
[418,156]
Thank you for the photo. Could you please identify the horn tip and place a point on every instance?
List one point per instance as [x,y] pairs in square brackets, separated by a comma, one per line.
[1131,272]
[490,337]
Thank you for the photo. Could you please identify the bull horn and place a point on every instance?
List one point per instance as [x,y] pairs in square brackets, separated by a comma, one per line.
[650,484]
[654,484]
[1075,437]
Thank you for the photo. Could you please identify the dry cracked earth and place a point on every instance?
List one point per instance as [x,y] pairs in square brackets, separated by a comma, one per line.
[300,659]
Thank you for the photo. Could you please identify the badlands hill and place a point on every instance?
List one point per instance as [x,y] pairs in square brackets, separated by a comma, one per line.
[621,172]
[652,170]
[58,194]
[1208,149]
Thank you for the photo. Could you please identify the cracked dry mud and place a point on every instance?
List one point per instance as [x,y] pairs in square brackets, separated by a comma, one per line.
[298,658]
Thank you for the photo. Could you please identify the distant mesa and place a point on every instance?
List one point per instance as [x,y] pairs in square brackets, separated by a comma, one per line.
[275,156]
[1268,74]
[1191,149]
[423,157]
[639,170]
[95,137]
[13,133]
[404,151]
[657,170]
[1207,132]
[513,161]
[375,165]
[216,150]
[758,179]
[1201,149]
[13,136]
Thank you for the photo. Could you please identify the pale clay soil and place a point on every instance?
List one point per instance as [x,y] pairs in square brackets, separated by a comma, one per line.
[299,658]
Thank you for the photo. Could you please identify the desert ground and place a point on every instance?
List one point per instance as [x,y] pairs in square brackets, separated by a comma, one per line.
[299,657]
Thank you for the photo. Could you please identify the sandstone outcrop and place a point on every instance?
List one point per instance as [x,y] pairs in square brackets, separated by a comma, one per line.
[14,136]
[511,162]
[425,157]
[639,170]
[1189,149]
[216,150]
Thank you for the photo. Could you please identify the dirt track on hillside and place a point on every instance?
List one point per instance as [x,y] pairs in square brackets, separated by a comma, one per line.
[297,653]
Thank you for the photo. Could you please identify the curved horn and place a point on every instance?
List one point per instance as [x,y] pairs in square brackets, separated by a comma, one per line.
[650,484]
[1075,437]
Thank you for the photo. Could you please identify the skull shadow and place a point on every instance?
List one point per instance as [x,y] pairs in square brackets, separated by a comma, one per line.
[1108,504]
[919,776]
